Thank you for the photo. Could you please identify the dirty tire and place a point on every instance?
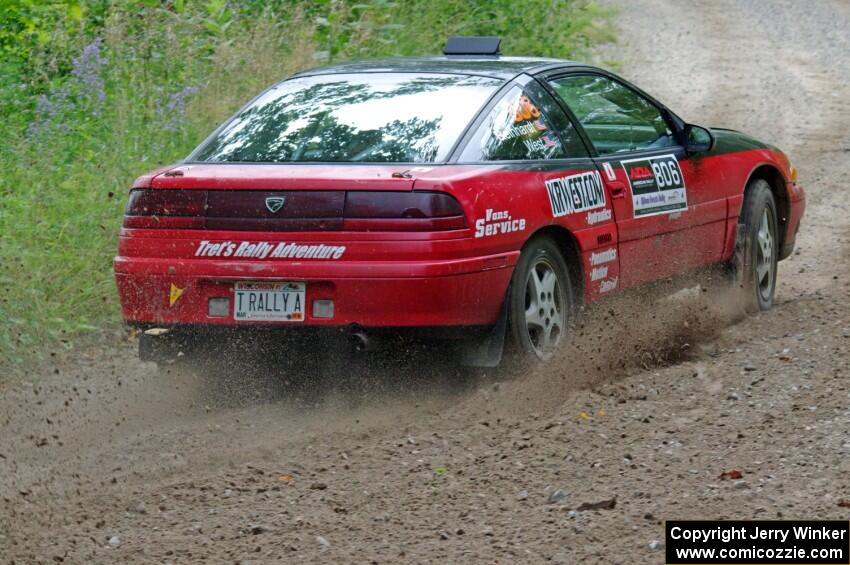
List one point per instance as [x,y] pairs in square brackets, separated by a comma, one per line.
[755,263]
[541,301]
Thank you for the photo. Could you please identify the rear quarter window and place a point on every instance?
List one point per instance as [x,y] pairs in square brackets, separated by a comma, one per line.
[522,126]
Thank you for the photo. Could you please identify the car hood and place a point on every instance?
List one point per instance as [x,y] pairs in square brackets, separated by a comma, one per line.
[729,140]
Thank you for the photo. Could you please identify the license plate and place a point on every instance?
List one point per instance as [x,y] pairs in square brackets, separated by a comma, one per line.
[269,301]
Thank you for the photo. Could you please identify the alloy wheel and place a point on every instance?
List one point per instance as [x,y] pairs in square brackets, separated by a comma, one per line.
[545,311]
[764,264]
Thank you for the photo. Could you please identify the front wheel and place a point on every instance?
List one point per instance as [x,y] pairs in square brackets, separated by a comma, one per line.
[541,300]
[755,262]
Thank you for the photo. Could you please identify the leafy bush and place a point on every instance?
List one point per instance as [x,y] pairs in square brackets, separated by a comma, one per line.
[94,93]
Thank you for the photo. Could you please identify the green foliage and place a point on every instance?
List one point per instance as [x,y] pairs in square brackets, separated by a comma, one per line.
[96,92]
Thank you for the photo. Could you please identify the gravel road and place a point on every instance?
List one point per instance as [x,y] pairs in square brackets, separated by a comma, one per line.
[103,459]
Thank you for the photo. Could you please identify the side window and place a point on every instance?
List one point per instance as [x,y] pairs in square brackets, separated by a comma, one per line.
[615,117]
[515,129]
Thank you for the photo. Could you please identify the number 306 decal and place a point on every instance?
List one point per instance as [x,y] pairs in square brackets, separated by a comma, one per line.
[658,186]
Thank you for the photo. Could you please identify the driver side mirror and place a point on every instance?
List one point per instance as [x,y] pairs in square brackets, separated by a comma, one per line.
[698,139]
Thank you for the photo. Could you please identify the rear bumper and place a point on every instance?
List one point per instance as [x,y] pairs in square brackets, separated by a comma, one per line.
[464,292]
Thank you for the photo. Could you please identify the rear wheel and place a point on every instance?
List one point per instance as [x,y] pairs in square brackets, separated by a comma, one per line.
[541,300]
[754,266]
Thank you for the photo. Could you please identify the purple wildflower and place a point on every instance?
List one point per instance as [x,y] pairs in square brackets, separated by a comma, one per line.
[86,71]
[171,110]
[48,110]
[84,91]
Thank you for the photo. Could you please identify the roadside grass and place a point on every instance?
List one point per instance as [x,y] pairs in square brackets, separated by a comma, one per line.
[140,86]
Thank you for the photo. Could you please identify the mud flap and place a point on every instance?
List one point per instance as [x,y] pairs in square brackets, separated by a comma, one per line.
[487,351]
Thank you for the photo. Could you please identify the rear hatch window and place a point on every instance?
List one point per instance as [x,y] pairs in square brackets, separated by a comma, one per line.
[366,117]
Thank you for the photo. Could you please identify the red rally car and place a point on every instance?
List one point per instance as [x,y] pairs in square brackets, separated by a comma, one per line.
[482,195]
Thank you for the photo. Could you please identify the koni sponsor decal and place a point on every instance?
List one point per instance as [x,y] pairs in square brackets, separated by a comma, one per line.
[497,222]
[658,185]
[575,193]
[266,250]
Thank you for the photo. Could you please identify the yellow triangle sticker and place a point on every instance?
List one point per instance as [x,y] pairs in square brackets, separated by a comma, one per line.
[174,296]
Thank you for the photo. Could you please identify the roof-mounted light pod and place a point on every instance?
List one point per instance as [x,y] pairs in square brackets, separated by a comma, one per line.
[472,45]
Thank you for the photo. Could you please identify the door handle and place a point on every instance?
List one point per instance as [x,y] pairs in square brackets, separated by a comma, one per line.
[618,189]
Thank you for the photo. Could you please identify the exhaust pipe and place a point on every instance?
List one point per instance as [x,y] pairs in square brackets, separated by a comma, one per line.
[362,342]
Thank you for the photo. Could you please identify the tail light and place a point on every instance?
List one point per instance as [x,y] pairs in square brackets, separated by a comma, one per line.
[148,208]
[402,211]
[304,210]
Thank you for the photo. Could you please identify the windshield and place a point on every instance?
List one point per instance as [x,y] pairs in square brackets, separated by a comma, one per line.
[391,117]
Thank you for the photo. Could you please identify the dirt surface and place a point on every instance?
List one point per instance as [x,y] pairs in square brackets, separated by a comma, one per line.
[104,459]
